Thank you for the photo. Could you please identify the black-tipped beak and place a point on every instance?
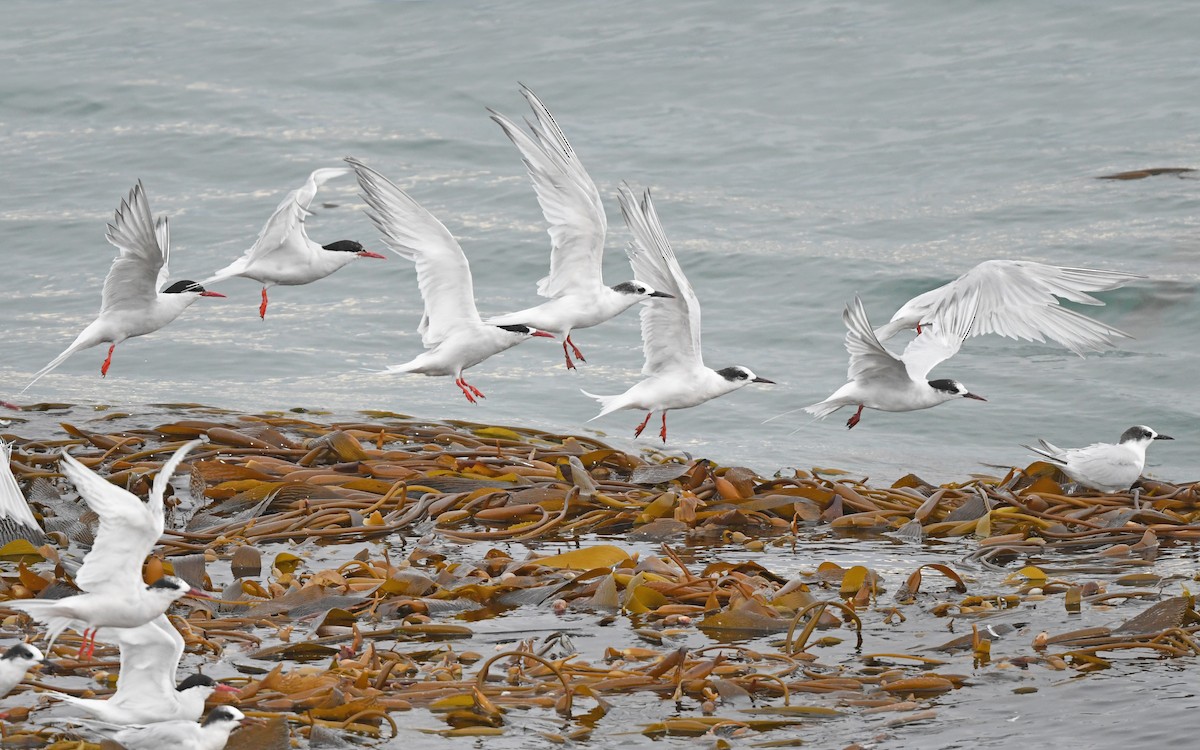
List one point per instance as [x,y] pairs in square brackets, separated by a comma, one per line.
[974,396]
[763,380]
[49,666]
[1163,437]
[664,295]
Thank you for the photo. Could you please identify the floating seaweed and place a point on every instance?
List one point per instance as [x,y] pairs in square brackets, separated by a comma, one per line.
[367,569]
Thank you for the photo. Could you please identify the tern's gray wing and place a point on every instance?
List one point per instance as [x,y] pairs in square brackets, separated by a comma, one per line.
[13,506]
[413,233]
[1018,299]
[942,341]
[150,655]
[869,361]
[569,201]
[670,327]
[132,279]
[162,735]
[1104,465]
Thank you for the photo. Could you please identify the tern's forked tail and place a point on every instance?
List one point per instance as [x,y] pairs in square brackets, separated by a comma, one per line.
[608,404]
[80,343]
[823,409]
[50,612]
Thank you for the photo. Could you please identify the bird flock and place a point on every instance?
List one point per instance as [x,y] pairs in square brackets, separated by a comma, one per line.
[1012,298]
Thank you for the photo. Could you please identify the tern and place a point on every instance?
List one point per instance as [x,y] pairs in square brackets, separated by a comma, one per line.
[572,206]
[213,734]
[1018,299]
[1106,467]
[136,299]
[146,690]
[15,662]
[16,517]
[676,377]
[451,329]
[880,380]
[114,594]
[284,255]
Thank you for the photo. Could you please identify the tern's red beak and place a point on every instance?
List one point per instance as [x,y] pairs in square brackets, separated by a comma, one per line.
[198,594]
[7,405]
[369,254]
[211,294]
[542,333]
[223,688]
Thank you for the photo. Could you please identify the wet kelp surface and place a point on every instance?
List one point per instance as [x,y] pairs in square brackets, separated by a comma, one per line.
[392,580]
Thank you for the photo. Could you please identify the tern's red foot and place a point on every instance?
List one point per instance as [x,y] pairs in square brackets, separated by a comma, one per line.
[262,309]
[478,393]
[854,419]
[567,357]
[462,386]
[578,354]
[642,426]
[663,432]
[107,361]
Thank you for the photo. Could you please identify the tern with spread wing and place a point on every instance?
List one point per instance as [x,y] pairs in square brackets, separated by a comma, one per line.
[146,689]
[136,299]
[676,376]
[114,594]
[451,329]
[1106,467]
[880,380]
[284,255]
[1018,299]
[571,205]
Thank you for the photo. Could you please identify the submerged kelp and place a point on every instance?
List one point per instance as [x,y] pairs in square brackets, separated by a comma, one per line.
[361,569]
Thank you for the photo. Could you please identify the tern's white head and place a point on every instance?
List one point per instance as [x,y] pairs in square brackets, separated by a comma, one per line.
[1140,433]
[948,389]
[225,719]
[638,289]
[183,293]
[739,377]
[523,332]
[22,657]
[170,588]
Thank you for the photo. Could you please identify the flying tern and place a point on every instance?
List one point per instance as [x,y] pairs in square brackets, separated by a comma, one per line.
[676,377]
[114,594]
[212,734]
[137,298]
[284,255]
[1018,299]
[572,206]
[1106,467]
[451,329]
[880,380]
[146,690]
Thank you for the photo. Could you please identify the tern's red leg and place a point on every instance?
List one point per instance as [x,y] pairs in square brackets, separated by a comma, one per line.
[262,309]
[642,426]
[578,354]
[462,386]
[478,393]
[663,432]
[567,356]
[107,361]
[854,419]
[83,644]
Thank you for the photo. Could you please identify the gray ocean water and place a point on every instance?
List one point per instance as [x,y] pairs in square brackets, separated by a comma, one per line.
[800,153]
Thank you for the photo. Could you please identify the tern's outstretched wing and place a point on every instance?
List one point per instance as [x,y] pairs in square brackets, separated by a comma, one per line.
[129,528]
[569,200]
[14,507]
[943,340]
[670,327]
[1018,299]
[869,361]
[284,231]
[413,233]
[132,281]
